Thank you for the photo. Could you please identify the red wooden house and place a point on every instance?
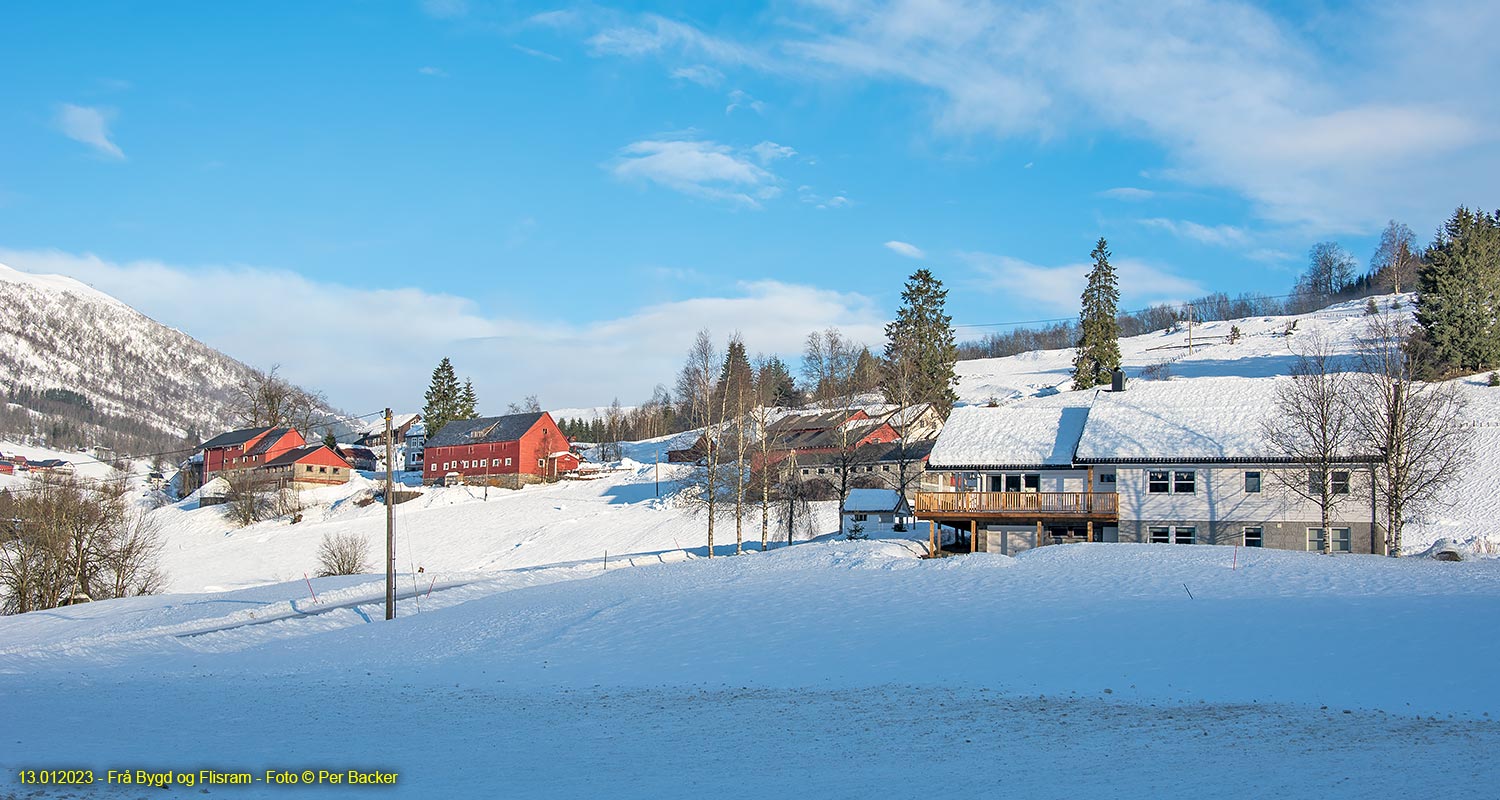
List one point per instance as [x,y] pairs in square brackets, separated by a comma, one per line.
[508,451]
[247,448]
[832,432]
[314,465]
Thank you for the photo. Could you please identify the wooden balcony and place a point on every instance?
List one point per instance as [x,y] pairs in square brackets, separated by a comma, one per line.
[1028,506]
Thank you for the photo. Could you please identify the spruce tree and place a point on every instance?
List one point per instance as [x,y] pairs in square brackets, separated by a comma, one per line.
[920,346]
[1457,286]
[736,377]
[781,389]
[442,398]
[468,402]
[1098,324]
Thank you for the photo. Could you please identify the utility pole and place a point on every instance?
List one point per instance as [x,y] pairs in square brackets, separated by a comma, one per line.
[658,472]
[1190,328]
[390,525]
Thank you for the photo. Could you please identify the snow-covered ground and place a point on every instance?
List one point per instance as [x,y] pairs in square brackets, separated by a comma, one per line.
[828,669]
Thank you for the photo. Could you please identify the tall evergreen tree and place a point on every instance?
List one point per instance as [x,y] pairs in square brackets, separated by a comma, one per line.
[736,377]
[1098,323]
[777,384]
[920,343]
[468,402]
[1458,288]
[442,398]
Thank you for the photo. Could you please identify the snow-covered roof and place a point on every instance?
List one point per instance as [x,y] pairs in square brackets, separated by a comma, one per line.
[378,426]
[1205,418]
[980,436]
[866,501]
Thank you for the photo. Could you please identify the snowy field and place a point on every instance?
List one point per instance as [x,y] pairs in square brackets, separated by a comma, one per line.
[829,669]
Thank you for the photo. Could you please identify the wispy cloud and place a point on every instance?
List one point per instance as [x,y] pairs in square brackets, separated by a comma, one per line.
[434,72]
[1128,193]
[905,249]
[90,126]
[623,355]
[701,168]
[1235,96]
[810,196]
[1217,235]
[701,74]
[1058,288]
[534,53]
[766,152]
[739,99]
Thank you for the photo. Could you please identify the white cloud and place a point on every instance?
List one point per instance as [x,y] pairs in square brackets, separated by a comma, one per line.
[90,126]
[534,53]
[1058,288]
[580,363]
[701,74]
[739,99]
[1217,235]
[905,249]
[1128,193]
[435,72]
[1282,112]
[767,152]
[701,169]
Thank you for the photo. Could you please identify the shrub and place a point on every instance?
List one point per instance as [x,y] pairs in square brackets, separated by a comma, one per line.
[1495,378]
[1234,333]
[342,554]
[1370,308]
[1159,371]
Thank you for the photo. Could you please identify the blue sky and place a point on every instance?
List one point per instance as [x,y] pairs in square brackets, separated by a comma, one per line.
[558,196]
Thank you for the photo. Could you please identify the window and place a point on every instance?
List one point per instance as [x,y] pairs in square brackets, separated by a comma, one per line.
[1031,483]
[1253,537]
[1166,534]
[484,462]
[1158,481]
[1107,477]
[1184,481]
[323,470]
[309,468]
[1252,484]
[1340,483]
[541,462]
[507,462]
[1342,541]
[861,517]
[335,470]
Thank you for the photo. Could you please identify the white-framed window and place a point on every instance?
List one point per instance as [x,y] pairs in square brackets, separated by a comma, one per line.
[1252,482]
[309,468]
[323,470]
[1340,482]
[1254,536]
[1173,534]
[541,462]
[1158,481]
[1343,541]
[861,517]
[1184,481]
[507,462]
[484,462]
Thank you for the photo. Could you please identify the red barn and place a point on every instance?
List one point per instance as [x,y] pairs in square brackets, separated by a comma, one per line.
[246,449]
[315,465]
[509,451]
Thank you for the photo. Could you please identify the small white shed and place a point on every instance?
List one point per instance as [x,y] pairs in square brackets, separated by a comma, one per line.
[876,510]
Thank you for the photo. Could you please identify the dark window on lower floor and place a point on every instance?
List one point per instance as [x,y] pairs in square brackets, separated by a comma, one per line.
[1254,537]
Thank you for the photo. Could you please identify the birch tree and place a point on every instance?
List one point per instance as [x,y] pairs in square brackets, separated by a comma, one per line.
[1418,429]
[1314,429]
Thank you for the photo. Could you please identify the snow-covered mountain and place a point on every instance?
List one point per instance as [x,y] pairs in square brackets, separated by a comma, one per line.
[79,367]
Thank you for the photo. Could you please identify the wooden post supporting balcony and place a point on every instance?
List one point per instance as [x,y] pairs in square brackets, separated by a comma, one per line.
[931,539]
[973,535]
[1091,530]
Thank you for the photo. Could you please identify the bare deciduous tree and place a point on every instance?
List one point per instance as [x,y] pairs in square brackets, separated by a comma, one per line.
[1313,427]
[1417,428]
[266,400]
[696,383]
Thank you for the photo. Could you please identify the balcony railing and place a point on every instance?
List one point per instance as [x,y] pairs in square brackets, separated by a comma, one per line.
[1079,504]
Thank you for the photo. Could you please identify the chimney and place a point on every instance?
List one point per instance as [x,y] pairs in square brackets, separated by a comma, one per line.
[1117,380]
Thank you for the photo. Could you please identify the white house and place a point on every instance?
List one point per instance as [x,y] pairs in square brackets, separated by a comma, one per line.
[1171,462]
[875,510]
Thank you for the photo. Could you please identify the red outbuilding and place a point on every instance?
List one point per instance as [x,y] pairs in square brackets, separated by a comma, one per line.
[247,448]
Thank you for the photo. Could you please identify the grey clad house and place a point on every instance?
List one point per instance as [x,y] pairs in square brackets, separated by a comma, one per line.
[1166,462]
